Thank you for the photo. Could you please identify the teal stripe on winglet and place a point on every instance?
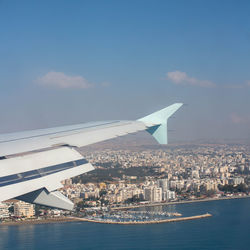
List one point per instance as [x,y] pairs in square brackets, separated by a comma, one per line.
[158,122]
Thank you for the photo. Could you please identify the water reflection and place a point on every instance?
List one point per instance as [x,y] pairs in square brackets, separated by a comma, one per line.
[13,236]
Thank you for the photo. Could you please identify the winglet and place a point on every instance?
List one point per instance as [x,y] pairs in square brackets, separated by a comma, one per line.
[157,122]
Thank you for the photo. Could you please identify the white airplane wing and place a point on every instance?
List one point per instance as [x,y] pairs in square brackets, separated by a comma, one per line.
[33,163]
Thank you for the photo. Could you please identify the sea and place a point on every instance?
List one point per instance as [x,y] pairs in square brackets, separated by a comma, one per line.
[228,228]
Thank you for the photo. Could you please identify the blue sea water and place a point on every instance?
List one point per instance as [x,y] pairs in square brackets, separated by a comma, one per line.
[228,228]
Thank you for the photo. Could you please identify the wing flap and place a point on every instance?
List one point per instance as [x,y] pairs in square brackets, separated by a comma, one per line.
[40,170]
[51,199]
[50,182]
[38,161]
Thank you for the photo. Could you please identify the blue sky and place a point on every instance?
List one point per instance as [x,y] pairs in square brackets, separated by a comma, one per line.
[65,62]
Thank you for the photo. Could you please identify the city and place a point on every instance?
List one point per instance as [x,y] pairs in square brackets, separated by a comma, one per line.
[125,125]
[149,175]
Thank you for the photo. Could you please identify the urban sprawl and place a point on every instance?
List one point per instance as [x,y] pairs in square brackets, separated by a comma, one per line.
[148,175]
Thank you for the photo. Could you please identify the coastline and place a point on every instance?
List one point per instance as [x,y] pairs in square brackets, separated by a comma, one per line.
[179,202]
[74,219]
[214,231]
[43,221]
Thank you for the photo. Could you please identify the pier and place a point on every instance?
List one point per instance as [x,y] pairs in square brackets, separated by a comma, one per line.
[154,213]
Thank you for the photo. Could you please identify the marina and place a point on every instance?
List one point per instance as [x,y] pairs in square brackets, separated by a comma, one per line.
[212,232]
[155,221]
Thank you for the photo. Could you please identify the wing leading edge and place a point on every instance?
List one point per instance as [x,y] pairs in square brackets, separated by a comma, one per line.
[35,177]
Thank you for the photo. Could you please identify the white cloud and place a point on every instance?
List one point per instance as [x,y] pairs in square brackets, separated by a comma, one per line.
[181,78]
[248,83]
[61,80]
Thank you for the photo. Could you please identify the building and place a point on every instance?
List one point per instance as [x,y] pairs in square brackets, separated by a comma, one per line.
[67,182]
[4,211]
[148,194]
[163,183]
[102,185]
[157,194]
[23,209]
[236,181]
[153,194]
[195,174]
[170,195]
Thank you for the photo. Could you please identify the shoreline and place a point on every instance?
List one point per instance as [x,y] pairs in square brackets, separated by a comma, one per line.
[74,219]
[35,221]
[180,202]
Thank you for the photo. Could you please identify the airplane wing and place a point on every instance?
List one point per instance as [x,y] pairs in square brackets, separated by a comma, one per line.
[33,163]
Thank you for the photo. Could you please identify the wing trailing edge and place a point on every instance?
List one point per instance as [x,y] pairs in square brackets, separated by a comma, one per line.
[35,177]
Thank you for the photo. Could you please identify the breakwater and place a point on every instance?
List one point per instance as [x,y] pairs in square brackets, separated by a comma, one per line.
[154,213]
[146,222]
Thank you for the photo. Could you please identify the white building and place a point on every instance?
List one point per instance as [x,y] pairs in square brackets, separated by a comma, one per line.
[170,195]
[157,195]
[4,211]
[23,209]
[236,181]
